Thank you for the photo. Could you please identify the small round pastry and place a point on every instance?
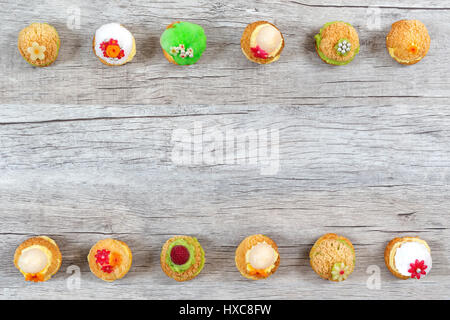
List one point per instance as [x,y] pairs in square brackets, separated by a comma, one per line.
[183,43]
[337,43]
[114,45]
[333,257]
[257,257]
[408,258]
[39,44]
[38,258]
[262,42]
[182,258]
[110,259]
[408,41]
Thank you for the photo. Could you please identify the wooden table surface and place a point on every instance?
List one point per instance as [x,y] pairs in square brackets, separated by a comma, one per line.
[89,151]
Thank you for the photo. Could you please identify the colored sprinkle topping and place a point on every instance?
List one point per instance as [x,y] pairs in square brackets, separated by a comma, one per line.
[111,49]
[259,53]
[36,51]
[179,255]
[340,271]
[343,47]
[182,52]
[417,269]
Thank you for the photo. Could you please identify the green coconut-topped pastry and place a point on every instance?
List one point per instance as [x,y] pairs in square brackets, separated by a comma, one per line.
[183,43]
[337,43]
[182,258]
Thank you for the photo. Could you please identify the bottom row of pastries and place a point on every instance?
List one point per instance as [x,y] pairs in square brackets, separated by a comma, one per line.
[182,258]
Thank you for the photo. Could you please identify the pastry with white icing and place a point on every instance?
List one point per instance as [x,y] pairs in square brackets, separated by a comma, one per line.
[408,258]
[257,257]
[38,259]
[262,42]
[114,45]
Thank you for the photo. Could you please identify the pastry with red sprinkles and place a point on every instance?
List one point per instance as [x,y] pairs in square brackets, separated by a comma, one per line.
[408,258]
[182,258]
[257,257]
[262,42]
[114,45]
[38,259]
[333,257]
[110,259]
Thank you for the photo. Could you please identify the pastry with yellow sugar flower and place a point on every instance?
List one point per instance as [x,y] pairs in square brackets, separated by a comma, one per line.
[39,44]
[38,258]
[408,258]
[257,257]
[110,259]
[408,41]
[182,258]
[114,45]
[262,42]
[333,257]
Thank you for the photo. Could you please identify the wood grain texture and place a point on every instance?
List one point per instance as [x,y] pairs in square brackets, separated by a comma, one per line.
[86,151]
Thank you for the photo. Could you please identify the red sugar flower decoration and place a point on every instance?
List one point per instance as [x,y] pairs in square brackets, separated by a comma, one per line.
[417,269]
[179,255]
[259,53]
[111,49]
[102,256]
[107,269]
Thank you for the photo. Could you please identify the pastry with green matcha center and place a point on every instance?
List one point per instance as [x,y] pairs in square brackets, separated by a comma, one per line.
[183,43]
[337,43]
[182,258]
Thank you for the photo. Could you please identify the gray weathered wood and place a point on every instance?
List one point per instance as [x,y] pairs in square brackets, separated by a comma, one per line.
[86,150]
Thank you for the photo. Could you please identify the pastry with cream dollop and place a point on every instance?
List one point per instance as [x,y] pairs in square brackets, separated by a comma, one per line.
[257,257]
[38,258]
[408,258]
[262,42]
[333,257]
[110,259]
[114,45]
[182,258]
[408,41]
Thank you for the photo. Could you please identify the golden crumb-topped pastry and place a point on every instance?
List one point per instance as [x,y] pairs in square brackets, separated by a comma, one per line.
[39,44]
[337,43]
[38,258]
[408,41]
[408,258]
[257,257]
[110,259]
[182,258]
[333,257]
[262,42]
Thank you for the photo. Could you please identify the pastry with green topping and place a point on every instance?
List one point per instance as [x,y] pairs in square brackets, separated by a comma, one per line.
[39,44]
[337,43]
[182,258]
[333,257]
[183,43]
